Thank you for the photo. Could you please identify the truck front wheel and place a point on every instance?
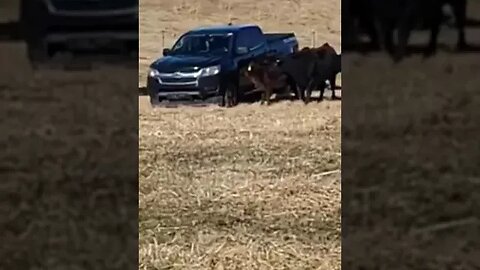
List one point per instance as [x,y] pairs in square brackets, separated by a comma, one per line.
[230,96]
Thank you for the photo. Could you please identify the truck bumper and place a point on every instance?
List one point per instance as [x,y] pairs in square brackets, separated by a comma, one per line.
[200,90]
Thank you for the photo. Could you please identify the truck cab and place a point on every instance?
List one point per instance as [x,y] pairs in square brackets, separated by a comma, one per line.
[208,62]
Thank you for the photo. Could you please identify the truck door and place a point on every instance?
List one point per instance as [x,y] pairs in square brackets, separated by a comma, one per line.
[253,40]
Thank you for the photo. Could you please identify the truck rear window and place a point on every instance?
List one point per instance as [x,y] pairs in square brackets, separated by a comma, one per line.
[250,38]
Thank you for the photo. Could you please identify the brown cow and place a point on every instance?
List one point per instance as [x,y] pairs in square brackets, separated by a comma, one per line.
[266,75]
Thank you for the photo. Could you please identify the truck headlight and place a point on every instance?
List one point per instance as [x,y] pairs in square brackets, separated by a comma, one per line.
[210,71]
[153,72]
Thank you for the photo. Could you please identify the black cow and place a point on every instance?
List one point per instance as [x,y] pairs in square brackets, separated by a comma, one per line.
[459,12]
[309,71]
[459,8]
[303,68]
[403,16]
[266,74]
[327,54]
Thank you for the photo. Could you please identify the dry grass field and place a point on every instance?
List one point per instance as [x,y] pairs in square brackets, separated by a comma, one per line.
[239,188]
[410,159]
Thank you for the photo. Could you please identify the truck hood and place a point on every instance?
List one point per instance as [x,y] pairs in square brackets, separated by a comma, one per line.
[173,63]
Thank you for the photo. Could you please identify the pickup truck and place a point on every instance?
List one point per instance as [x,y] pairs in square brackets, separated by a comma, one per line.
[208,63]
[50,26]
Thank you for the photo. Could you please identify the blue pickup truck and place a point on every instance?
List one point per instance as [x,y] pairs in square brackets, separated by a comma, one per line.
[207,64]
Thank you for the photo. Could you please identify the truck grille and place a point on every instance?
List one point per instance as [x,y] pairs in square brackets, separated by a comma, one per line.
[178,80]
[88,5]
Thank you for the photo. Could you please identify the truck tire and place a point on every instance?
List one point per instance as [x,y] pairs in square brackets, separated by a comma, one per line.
[229,96]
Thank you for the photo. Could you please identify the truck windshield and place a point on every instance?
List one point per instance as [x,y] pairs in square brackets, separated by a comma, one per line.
[202,44]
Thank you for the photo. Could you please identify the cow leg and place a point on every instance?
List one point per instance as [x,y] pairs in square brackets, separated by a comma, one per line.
[263,89]
[301,94]
[385,33]
[294,88]
[435,29]
[372,34]
[389,45]
[268,94]
[308,91]
[333,86]
[263,98]
[403,35]
[459,8]
[298,91]
[380,29]
[322,86]
[432,46]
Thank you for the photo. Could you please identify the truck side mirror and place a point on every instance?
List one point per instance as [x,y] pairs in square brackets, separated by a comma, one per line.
[166,52]
[242,50]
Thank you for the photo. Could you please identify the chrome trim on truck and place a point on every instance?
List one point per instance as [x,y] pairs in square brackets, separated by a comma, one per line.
[178,93]
[180,74]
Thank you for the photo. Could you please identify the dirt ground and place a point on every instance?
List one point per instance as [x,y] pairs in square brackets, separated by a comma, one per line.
[239,188]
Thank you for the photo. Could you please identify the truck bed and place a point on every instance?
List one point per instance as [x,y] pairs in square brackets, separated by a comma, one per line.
[272,37]
[281,43]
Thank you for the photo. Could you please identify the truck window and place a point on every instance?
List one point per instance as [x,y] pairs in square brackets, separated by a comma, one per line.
[202,43]
[242,39]
[250,37]
[256,37]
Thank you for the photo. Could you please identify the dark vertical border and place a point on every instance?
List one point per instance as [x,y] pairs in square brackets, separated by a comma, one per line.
[68,163]
[410,157]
